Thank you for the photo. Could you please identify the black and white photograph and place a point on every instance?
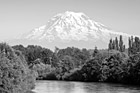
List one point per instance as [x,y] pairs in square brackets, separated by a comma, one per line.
[69,46]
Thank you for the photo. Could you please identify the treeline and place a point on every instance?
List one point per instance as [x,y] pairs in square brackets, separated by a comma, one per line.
[114,64]
[53,65]
[20,66]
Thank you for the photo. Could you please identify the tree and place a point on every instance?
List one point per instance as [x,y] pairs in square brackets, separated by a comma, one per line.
[110,46]
[95,51]
[15,76]
[134,69]
[116,43]
[130,46]
[134,46]
[121,44]
[56,50]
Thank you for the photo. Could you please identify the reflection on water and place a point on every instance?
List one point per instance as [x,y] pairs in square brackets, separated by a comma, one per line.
[81,87]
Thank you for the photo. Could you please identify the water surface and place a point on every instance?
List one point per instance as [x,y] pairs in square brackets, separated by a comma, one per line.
[82,87]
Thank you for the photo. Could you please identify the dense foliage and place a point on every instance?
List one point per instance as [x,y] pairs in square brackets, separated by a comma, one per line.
[114,64]
[15,76]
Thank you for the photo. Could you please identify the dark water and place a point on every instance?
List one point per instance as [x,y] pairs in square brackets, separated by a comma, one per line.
[81,87]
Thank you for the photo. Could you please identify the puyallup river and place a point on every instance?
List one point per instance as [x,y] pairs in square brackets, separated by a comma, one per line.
[82,87]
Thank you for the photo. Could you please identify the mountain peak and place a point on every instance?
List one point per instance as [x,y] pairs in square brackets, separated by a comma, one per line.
[71,13]
[78,14]
[73,27]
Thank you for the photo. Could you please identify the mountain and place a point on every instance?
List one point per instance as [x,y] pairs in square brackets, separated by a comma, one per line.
[71,29]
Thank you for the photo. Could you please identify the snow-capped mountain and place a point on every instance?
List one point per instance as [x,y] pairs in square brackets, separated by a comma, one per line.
[72,29]
[72,26]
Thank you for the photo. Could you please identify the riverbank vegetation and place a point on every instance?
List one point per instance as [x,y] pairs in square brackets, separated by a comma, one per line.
[15,76]
[20,66]
[115,64]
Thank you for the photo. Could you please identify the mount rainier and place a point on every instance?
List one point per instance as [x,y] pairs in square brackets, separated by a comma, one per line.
[71,29]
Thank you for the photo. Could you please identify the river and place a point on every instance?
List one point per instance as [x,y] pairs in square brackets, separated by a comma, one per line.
[82,87]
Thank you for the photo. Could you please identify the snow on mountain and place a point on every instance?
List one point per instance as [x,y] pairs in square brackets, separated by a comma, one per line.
[71,29]
[72,26]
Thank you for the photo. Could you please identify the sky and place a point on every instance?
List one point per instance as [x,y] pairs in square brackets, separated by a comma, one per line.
[21,16]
